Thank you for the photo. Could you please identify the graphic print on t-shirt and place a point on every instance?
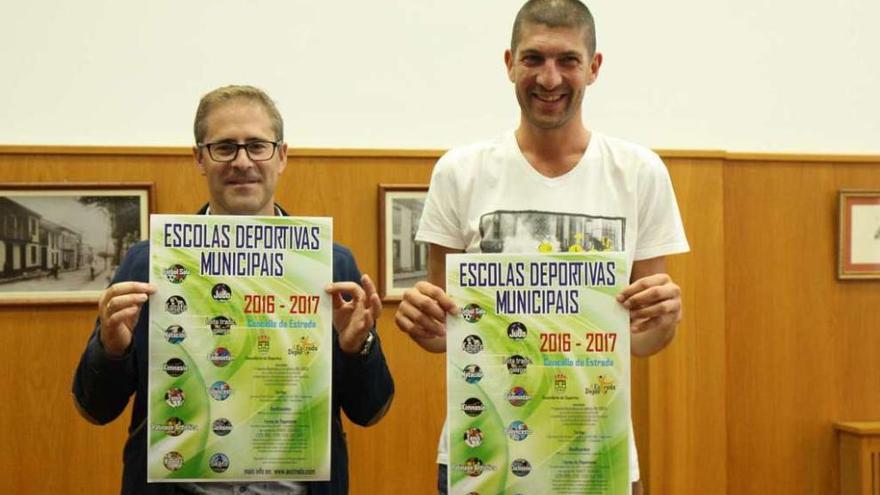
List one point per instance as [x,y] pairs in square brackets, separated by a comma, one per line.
[529,231]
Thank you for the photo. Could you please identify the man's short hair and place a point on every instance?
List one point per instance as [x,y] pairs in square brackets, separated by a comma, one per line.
[226,94]
[555,14]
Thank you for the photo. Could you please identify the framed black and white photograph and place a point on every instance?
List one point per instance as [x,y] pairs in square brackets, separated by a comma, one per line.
[859,238]
[62,242]
[402,260]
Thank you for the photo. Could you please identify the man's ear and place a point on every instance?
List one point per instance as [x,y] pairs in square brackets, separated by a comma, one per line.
[508,61]
[198,156]
[595,64]
[282,154]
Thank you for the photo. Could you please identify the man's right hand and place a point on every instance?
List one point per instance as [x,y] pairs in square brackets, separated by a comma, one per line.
[422,315]
[119,308]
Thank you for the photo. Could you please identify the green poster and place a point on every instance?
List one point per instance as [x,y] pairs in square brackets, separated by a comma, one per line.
[240,348]
[538,374]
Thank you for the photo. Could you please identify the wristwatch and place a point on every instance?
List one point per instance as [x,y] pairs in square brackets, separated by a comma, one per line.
[368,344]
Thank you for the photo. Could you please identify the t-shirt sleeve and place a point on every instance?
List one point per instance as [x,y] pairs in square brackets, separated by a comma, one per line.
[661,231]
[441,221]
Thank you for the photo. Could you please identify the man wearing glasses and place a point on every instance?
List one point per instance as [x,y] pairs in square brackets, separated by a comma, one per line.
[240,150]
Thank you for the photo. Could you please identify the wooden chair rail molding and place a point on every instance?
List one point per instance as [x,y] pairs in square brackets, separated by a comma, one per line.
[9,149]
[187,151]
[859,444]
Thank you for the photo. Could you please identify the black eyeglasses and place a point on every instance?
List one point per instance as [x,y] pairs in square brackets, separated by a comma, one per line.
[257,151]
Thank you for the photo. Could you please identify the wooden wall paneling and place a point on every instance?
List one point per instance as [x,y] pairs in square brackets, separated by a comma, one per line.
[347,189]
[855,342]
[45,446]
[799,344]
[641,413]
[398,455]
[771,351]
[686,421]
[777,263]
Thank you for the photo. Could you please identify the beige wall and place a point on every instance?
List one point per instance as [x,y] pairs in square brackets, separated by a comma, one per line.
[764,76]
[772,348]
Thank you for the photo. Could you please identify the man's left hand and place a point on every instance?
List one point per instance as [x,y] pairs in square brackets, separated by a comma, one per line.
[354,318]
[654,302]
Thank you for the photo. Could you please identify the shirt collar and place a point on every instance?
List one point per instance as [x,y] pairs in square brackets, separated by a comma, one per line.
[278,211]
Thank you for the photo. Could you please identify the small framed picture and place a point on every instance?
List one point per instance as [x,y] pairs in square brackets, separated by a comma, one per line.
[859,246]
[402,260]
[61,243]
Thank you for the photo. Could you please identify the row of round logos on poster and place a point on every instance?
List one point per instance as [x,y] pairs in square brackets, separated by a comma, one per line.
[175,367]
[219,357]
[473,344]
[473,407]
[219,325]
[516,365]
[219,391]
[516,431]
[177,305]
[175,426]
[173,461]
[474,467]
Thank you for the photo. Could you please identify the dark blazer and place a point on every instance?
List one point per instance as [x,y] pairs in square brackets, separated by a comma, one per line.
[102,386]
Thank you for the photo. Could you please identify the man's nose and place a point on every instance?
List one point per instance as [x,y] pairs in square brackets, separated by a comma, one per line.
[549,76]
[241,159]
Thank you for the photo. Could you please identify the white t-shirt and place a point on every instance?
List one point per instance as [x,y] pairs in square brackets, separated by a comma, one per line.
[486,197]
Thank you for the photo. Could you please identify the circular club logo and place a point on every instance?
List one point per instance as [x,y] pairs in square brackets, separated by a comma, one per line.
[220,357]
[173,426]
[516,365]
[520,467]
[221,292]
[175,305]
[473,437]
[472,313]
[221,427]
[472,344]
[219,463]
[174,397]
[176,274]
[174,367]
[473,407]
[472,373]
[175,334]
[473,466]
[220,325]
[220,390]
[517,331]
[518,396]
[518,431]
[172,461]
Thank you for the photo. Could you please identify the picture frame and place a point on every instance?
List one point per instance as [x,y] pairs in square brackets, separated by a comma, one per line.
[859,234]
[60,243]
[402,260]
